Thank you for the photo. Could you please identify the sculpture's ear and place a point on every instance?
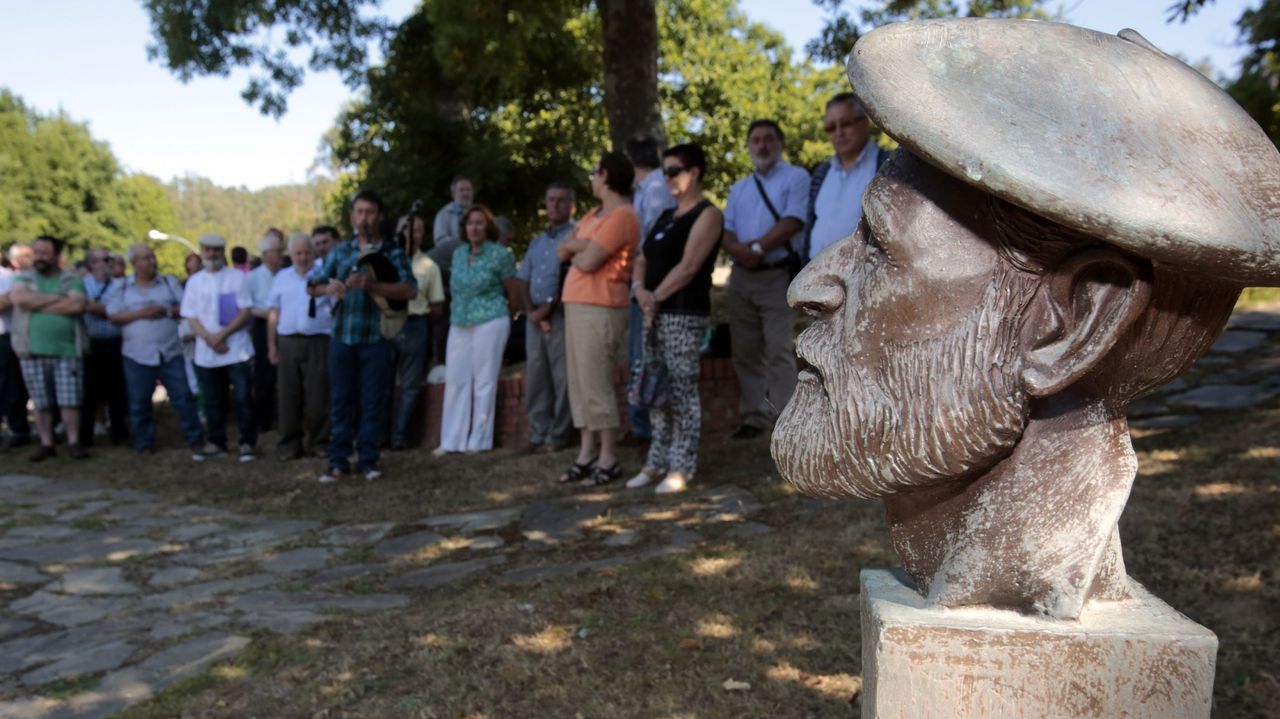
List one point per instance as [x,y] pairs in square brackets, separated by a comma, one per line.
[1079,312]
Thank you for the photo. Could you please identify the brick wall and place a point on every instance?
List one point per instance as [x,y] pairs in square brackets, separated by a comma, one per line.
[717,385]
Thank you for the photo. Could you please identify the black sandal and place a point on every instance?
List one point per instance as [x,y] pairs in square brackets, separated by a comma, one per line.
[601,476]
[578,472]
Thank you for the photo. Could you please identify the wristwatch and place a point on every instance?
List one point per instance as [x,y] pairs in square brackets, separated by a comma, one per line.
[756,248]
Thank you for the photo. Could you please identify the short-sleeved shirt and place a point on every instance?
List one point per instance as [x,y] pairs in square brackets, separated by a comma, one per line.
[53,335]
[149,342]
[837,209]
[430,285]
[99,327]
[447,225]
[6,284]
[651,199]
[356,318]
[747,216]
[477,284]
[289,296]
[260,287]
[540,267]
[619,234]
[214,299]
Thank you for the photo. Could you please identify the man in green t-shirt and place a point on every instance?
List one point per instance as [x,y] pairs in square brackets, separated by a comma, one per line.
[50,340]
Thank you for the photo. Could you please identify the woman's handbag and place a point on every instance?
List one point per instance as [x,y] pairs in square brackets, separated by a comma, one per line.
[650,385]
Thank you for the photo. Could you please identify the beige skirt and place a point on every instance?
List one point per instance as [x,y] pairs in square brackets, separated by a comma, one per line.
[595,343]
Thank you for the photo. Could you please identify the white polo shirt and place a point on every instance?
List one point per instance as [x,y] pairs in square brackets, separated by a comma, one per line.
[214,299]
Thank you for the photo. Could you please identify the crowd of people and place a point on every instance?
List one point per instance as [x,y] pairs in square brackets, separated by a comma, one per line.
[330,340]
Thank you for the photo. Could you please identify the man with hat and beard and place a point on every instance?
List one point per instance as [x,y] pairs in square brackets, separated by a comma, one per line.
[1067,226]
[217,304]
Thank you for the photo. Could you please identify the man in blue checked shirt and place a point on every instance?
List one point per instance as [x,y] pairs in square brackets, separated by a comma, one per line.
[360,356]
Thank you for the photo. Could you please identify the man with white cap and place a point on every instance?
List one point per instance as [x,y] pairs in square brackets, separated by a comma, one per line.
[216,303]
[1068,226]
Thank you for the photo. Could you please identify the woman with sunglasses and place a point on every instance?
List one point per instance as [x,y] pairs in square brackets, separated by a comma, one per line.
[672,281]
[600,251]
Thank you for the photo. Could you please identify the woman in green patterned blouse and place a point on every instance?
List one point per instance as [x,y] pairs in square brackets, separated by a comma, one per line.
[480,320]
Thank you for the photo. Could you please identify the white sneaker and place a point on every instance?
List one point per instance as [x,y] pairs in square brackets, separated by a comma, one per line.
[372,474]
[330,475]
[675,482]
[646,477]
[208,451]
[246,453]
[440,452]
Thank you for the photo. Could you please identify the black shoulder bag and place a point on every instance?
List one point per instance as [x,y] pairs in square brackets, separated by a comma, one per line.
[795,262]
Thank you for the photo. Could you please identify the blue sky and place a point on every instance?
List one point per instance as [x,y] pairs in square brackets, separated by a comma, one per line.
[88,57]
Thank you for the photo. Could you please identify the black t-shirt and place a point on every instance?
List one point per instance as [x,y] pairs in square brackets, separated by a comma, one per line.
[663,250]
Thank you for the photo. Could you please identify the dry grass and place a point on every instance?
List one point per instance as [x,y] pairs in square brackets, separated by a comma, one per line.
[660,638]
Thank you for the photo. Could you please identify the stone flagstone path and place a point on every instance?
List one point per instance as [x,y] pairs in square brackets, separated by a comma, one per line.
[112,595]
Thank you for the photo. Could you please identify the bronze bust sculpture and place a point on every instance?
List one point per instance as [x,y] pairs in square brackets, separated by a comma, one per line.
[1067,226]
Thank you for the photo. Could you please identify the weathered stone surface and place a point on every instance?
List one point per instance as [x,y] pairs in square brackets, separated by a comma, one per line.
[298,560]
[1169,421]
[191,532]
[406,545]
[440,574]
[95,581]
[10,626]
[87,509]
[622,538]
[287,612]
[102,657]
[44,531]
[194,594]
[352,535]
[261,533]
[552,522]
[1233,341]
[32,708]
[1260,321]
[341,574]
[99,547]
[186,624]
[1135,658]
[681,539]
[488,541]
[1223,396]
[133,684]
[69,611]
[173,577]
[473,522]
[16,484]
[13,573]
[748,529]
[730,503]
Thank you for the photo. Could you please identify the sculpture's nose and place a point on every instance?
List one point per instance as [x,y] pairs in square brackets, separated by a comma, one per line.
[819,289]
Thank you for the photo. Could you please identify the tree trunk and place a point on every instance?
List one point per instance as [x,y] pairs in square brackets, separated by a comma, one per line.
[631,69]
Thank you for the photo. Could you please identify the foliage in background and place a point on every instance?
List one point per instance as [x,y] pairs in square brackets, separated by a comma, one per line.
[55,179]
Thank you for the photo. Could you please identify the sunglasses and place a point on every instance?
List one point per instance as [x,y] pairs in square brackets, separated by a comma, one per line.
[674,170]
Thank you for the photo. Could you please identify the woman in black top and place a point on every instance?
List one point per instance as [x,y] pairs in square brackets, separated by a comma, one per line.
[672,282]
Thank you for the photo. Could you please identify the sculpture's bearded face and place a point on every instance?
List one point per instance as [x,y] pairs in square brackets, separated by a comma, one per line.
[914,349]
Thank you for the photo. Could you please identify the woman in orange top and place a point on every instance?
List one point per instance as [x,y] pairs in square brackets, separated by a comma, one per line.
[600,249]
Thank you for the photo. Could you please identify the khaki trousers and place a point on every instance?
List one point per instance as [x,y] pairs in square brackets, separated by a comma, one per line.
[595,343]
[761,327]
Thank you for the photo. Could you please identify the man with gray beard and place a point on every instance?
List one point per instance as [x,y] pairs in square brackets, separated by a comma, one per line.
[977,339]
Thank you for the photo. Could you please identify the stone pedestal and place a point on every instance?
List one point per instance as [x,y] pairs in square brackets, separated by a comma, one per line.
[1133,659]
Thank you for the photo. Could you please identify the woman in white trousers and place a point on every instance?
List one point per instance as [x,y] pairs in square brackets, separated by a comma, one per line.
[480,281]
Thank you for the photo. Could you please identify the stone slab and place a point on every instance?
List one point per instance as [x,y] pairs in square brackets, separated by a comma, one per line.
[104,547]
[305,559]
[354,535]
[1223,396]
[1233,341]
[101,658]
[1138,659]
[406,545]
[552,522]
[472,522]
[744,530]
[341,574]
[194,594]
[10,626]
[173,577]
[69,611]
[14,573]
[442,574]
[94,581]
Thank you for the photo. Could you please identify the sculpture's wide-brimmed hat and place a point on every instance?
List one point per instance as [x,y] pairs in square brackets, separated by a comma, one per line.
[1101,133]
